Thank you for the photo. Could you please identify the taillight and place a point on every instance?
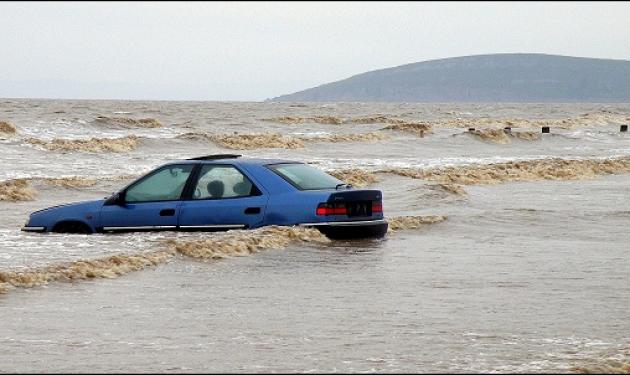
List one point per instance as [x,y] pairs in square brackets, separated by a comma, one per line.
[324,209]
[356,208]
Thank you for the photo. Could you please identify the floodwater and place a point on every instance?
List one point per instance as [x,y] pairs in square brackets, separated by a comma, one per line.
[529,275]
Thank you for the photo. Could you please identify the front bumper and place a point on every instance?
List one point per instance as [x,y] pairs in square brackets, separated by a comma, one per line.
[351,229]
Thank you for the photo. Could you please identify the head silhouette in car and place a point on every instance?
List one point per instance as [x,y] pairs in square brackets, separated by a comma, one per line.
[215,189]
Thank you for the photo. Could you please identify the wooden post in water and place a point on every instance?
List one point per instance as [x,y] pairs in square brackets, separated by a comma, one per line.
[623,128]
[545,129]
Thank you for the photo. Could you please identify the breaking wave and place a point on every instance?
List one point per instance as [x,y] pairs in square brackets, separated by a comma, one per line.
[254,141]
[610,366]
[413,222]
[74,182]
[195,136]
[587,119]
[129,122]
[290,120]
[501,136]
[417,128]
[20,189]
[333,120]
[108,267]
[245,242]
[529,170]
[215,246]
[614,364]
[123,144]
[16,190]
[356,137]
[7,128]
[374,119]
[453,189]
[355,177]
[525,136]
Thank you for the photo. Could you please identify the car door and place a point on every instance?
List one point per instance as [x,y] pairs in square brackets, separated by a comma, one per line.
[151,203]
[223,198]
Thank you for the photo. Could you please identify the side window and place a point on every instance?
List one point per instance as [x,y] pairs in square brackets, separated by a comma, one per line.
[222,181]
[164,185]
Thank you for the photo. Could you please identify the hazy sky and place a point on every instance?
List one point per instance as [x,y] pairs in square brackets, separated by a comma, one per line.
[253,51]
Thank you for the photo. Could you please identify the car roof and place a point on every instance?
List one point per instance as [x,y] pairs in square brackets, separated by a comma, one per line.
[232,159]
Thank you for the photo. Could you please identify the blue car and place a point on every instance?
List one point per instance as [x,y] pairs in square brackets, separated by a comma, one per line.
[222,192]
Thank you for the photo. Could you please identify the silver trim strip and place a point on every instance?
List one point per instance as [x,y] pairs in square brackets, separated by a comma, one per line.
[33,229]
[227,226]
[140,228]
[344,223]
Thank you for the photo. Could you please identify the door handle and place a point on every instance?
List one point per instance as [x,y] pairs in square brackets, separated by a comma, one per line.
[252,210]
[168,212]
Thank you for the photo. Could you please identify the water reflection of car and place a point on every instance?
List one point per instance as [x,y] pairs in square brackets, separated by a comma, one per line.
[222,192]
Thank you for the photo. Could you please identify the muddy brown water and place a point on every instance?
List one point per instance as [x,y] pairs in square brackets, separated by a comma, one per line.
[526,276]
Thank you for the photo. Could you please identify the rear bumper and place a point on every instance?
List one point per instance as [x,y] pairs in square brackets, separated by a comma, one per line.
[351,229]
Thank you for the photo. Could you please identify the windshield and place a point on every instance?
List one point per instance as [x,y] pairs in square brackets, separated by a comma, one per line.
[305,177]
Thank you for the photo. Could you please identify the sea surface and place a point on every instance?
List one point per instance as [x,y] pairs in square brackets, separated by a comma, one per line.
[522,276]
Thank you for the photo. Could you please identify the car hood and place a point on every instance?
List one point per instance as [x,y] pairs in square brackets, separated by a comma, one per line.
[83,205]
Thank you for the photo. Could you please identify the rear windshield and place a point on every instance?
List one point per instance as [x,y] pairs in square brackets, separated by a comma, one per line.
[305,177]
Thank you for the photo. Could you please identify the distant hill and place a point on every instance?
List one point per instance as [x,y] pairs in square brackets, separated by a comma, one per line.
[484,78]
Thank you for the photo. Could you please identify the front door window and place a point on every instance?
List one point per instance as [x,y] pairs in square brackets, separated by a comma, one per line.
[163,185]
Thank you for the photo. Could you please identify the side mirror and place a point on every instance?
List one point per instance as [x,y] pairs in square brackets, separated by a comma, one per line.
[117,199]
